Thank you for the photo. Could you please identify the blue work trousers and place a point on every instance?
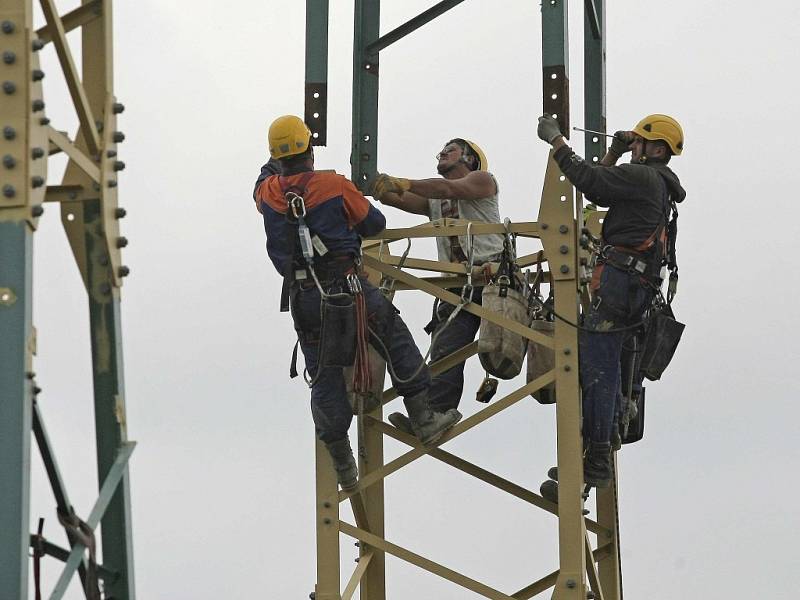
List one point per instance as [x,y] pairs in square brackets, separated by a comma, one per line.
[447,387]
[620,300]
[330,407]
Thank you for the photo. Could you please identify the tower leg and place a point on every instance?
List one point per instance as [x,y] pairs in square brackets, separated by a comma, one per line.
[328,562]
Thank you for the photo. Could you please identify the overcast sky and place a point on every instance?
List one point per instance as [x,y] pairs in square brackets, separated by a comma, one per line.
[222,478]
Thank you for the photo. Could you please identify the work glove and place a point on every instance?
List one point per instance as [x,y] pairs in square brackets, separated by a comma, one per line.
[620,142]
[548,129]
[384,184]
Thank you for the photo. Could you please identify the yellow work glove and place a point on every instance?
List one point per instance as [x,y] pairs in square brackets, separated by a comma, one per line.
[384,184]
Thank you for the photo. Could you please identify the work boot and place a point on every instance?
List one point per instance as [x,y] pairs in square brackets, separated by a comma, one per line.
[597,465]
[402,422]
[344,463]
[426,424]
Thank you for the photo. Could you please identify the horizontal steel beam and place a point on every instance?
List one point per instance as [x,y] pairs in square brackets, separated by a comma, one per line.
[72,20]
[62,554]
[412,25]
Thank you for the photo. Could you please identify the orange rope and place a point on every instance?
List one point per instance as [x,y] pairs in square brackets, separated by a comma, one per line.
[362,378]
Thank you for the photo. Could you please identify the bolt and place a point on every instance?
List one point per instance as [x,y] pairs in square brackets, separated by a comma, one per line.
[37,181]
[111,153]
[9,57]
[563,249]
[73,195]
[37,390]
[37,105]
[563,229]
[570,583]
[357,559]
[124,271]
[326,520]
[96,187]
[567,368]
[37,152]
[112,183]
[119,165]
[105,288]
[9,87]
[38,210]
[44,121]
[9,191]
[120,213]
[9,162]
[30,374]
[103,260]
[37,45]
[37,74]
[9,132]
[122,242]
[312,596]
[564,269]
[118,137]
[7,27]
[326,504]
[117,108]
[357,544]
[545,225]
[567,351]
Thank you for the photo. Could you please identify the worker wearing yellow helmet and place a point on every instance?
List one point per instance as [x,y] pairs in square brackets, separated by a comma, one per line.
[466,190]
[638,246]
[315,221]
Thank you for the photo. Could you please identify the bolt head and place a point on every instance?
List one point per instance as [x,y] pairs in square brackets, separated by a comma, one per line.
[37,105]
[124,271]
[44,121]
[105,288]
[563,229]
[9,162]
[111,153]
[37,181]
[117,108]
[118,137]
[7,27]
[545,226]
[37,45]
[571,583]
[37,74]
[112,183]
[122,242]
[564,269]
[9,57]
[119,165]
[563,249]
[120,213]
[9,87]
[9,191]
[38,210]
[9,132]
[37,152]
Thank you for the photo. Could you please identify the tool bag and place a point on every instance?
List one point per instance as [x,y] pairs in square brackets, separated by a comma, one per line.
[373,398]
[501,351]
[337,343]
[660,342]
[542,359]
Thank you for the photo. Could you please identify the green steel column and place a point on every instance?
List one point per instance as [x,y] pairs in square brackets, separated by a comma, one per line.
[364,156]
[316,103]
[555,61]
[594,78]
[16,249]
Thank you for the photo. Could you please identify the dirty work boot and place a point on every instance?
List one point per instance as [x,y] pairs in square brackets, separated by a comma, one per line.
[426,424]
[597,465]
[344,463]
[402,422]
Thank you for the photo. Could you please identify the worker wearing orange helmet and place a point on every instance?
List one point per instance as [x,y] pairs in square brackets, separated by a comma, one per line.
[466,190]
[639,196]
[314,221]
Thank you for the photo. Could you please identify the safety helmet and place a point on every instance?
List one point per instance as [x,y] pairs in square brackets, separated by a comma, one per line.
[288,136]
[661,127]
[483,164]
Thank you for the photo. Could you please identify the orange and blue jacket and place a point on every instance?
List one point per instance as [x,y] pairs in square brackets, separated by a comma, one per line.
[335,211]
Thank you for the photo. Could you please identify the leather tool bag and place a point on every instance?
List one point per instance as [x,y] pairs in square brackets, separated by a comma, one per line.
[660,342]
[542,359]
[501,351]
[337,344]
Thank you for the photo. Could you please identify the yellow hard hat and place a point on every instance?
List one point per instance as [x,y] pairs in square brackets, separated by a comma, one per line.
[288,135]
[483,164]
[661,127]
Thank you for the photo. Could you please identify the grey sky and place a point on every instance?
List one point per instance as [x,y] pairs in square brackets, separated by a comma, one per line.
[222,480]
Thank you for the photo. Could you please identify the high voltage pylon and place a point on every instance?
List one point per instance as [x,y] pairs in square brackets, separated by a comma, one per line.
[90,215]
[585,569]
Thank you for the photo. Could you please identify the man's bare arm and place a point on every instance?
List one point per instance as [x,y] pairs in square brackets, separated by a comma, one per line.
[409,202]
[474,186]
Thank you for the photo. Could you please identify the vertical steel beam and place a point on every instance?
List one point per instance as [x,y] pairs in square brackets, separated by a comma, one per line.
[373,582]
[609,568]
[316,94]
[555,61]
[364,153]
[16,249]
[594,79]
[328,562]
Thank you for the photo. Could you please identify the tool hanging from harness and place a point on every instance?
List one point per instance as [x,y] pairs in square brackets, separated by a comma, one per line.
[501,351]
[541,359]
[343,330]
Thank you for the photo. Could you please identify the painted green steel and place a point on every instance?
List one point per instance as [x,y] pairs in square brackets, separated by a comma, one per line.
[16,250]
[412,25]
[594,80]
[316,88]
[555,50]
[109,406]
[364,156]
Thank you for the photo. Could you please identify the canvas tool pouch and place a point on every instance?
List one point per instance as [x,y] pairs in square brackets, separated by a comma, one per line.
[501,351]
[660,341]
[373,398]
[542,359]
[337,343]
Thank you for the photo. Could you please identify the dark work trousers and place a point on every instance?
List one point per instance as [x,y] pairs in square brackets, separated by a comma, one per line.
[620,300]
[329,405]
[446,387]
